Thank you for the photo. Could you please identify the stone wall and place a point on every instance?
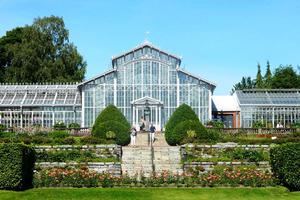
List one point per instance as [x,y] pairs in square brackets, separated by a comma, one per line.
[99,167]
[103,151]
[209,166]
[208,151]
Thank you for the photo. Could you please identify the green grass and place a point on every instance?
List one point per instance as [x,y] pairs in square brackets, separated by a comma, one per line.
[153,193]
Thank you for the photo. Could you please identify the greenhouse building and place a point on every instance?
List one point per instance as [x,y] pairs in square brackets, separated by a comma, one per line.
[143,82]
[272,108]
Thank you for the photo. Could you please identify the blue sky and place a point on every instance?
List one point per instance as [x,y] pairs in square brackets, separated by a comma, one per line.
[219,40]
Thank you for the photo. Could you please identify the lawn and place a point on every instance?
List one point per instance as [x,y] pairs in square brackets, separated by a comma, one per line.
[153,193]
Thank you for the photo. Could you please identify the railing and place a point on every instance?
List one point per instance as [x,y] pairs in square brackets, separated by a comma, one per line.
[84,131]
[276,131]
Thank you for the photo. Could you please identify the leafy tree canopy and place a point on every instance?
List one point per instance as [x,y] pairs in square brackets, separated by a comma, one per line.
[245,83]
[284,77]
[40,52]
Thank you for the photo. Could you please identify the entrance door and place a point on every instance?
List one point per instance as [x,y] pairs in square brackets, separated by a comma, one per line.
[150,115]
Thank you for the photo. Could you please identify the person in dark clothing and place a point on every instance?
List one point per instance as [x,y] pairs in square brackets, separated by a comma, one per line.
[152,133]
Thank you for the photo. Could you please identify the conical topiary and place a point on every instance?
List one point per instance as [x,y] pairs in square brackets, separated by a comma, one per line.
[111,113]
[112,119]
[182,113]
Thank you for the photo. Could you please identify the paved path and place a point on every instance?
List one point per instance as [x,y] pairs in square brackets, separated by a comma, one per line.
[142,159]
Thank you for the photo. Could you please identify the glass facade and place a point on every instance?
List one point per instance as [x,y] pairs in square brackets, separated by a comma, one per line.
[146,72]
[271,107]
[144,82]
[27,105]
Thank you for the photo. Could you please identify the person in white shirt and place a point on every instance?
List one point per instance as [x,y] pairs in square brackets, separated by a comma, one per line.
[133,136]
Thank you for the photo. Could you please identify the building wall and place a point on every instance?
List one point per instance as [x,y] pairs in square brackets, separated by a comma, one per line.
[271,116]
[145,72]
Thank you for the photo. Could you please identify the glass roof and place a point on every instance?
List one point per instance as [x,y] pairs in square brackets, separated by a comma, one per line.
[288,97]
[39,95]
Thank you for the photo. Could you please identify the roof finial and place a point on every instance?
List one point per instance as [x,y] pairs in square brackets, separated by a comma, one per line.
[146,41]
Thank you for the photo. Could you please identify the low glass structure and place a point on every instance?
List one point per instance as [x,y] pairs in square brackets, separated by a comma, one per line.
[27,105]
[143,82]
[270,107]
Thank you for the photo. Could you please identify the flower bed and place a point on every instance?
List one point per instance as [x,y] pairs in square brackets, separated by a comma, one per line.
[230,177]
[225,153]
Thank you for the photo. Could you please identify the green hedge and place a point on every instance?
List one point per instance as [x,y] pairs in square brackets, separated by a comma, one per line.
[122,132]
[16,166]
[182,113]
[285,163]
[179,133]
[111,119]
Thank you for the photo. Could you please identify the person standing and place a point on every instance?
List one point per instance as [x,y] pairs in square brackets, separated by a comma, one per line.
[152,133]
[142,124]
[133,136]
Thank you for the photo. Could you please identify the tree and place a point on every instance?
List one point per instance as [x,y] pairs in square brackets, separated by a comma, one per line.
[245,83]
[259,81]
[41,53]
[268,76]
[285,77]
[7,46]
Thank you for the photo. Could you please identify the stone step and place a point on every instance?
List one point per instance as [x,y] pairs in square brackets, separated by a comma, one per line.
[138,159]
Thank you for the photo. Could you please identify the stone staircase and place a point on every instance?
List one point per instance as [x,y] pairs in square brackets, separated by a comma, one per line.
[144,159]
[137,160]
[167,158]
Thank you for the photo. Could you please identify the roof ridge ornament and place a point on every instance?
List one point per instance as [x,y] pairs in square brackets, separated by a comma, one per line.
[146,41]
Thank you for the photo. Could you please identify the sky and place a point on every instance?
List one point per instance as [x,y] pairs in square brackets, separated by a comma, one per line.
[219,40]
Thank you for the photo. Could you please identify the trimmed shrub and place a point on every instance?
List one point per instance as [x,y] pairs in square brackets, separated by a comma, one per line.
[285,163]
[2,127]
[111,119]
[59,126]
[111,113]
[180,132]
[209,136]
[110,135]
[122,132]
[92,140]
[182,113]
[74,125]
[16,166]
[58,134]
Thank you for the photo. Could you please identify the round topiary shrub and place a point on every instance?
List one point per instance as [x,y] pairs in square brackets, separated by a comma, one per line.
[122,133]
[60,125]
[74,125]
[111,113]
[111,119]
[182,132]
[182,113]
